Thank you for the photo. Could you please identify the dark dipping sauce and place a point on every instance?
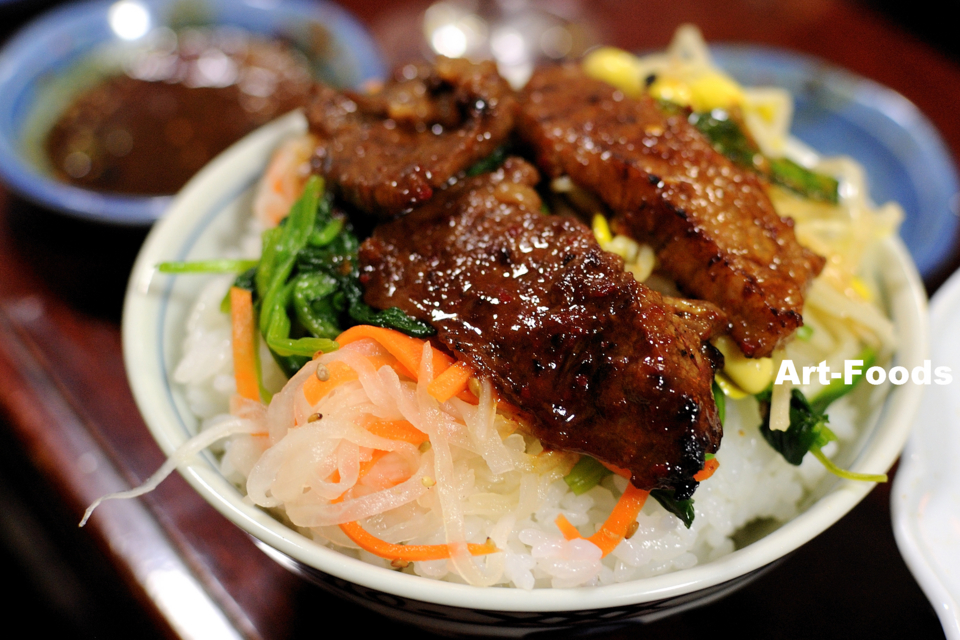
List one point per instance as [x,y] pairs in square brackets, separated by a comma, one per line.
[177,106]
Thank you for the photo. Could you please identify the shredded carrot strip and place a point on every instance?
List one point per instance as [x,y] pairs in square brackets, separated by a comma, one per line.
[451,382]
[451,377]
[244,341]
[368,464]
[314,389]
[620,471]
[395,430]
[468,396]
[709,467]
[568,530]
[614,530]
[404,348]
[392,430]
[407,552]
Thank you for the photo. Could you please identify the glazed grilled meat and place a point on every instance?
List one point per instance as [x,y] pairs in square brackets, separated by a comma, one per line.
[601,364]
[711,223]
[390,151]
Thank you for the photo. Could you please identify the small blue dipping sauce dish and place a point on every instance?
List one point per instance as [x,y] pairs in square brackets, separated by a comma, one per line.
[72,49]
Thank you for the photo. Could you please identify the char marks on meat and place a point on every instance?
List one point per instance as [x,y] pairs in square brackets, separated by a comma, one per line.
[390,151]
[711,223]
[599,363]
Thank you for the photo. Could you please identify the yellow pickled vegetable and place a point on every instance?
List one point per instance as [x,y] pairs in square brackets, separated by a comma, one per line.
[626,248]
[729,388]
[616,67]
[750,374]
[714,91]
[601,229]
[671,90]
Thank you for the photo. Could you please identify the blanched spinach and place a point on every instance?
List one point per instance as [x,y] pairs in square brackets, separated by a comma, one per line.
[683,509]
[729,136]
[491,163]
[808,431]
[808,428]
[809,184]
[308,283]
[588,472]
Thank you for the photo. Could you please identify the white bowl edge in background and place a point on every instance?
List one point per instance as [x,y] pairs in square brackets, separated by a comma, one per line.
[925,500]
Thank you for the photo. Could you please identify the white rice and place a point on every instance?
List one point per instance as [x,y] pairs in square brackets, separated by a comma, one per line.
[752,483]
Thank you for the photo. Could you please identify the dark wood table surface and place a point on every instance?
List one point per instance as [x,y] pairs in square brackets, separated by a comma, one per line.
[170,566]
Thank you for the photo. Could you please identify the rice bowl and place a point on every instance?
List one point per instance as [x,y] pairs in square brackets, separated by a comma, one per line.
[208,218]
[452,482]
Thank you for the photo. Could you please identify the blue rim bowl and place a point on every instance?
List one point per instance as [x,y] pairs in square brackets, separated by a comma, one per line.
[54,43]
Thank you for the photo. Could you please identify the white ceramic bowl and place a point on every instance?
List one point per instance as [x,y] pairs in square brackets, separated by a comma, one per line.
[208,215]
[926,495]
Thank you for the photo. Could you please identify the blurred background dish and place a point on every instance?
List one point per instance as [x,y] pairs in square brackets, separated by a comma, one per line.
[155,88]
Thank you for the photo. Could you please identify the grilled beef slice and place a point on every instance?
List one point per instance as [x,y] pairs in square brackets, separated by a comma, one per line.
[711,223]
[601,364]
[390,151]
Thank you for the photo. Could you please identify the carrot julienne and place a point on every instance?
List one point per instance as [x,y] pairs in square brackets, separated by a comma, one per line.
[244,343]
[339,372]
[392,430]
[568,530]
[404,348]
[395,430]
[451,377]
[366,465]
[409,552]
[614,530]
[620,471]
[451,382]
[709,467]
